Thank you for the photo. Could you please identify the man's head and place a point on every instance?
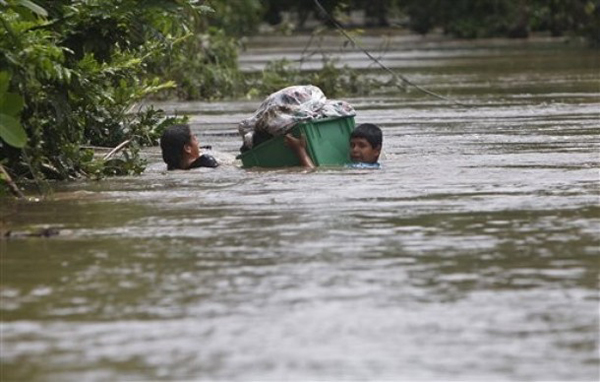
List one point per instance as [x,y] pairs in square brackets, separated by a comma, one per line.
[365,143]
[179,147]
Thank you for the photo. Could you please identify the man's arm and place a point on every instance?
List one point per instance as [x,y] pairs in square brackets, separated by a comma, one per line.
[298,145]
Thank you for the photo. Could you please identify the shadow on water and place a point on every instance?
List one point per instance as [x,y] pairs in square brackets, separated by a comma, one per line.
[473,253]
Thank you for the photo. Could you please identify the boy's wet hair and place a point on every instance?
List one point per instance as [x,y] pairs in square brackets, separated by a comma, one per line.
[172,141]
[370,132]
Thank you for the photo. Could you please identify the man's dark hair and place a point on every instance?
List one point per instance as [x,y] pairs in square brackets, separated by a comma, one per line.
[171,142]
[370,132]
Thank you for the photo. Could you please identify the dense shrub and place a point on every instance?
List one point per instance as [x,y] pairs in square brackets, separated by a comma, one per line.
[204,66]
[79,67]
[236,17]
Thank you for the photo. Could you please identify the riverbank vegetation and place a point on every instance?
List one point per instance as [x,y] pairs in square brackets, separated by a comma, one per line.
[458,18]
[72,71]
[75,70]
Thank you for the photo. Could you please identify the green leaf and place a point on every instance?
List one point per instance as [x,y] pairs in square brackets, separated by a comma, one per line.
[4,80]
[205,9]
[12,132]
[33,7]
[11,104]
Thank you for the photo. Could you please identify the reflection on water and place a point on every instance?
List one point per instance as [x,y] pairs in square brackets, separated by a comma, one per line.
[473,253]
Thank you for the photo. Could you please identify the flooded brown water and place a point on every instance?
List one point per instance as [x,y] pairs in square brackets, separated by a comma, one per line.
[472,255]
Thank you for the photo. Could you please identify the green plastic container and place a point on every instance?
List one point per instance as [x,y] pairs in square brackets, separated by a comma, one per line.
[327,143]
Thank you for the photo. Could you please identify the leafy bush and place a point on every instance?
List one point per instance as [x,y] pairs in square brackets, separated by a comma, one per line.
[204,66]
[236,17]
[79,67]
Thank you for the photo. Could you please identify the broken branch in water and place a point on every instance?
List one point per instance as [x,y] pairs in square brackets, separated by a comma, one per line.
[117,149]
[14,189]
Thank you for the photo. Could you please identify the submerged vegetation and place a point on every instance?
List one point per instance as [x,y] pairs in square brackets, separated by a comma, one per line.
[72,71]
[335,80]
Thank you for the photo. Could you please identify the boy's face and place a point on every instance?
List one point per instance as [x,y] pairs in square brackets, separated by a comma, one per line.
[362,151]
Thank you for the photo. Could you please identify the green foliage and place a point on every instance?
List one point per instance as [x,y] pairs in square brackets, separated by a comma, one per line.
[591,28]
[236,17]
[11,105]
[567,16]
[333,79]
[467,19]
[506,18]
[276,75]
[78,73]
[460,18]
[204,66]
[336,81]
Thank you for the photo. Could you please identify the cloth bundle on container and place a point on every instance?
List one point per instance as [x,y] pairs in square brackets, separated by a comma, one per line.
[284,109]
[302,111]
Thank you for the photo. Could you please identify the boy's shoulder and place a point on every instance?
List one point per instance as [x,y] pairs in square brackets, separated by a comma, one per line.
[360,165]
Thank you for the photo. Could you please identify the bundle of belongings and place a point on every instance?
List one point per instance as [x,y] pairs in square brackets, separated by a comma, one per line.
[282,110]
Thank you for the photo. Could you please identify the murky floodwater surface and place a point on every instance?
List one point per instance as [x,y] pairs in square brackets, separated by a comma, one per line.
[473,253]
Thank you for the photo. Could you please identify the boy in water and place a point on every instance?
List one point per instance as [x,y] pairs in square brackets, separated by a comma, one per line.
[180,149]
[365,146]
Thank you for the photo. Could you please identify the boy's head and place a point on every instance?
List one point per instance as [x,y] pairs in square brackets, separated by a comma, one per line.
[179,147]
[365,143]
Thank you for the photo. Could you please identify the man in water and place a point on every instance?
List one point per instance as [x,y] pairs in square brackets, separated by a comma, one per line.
[180,149]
